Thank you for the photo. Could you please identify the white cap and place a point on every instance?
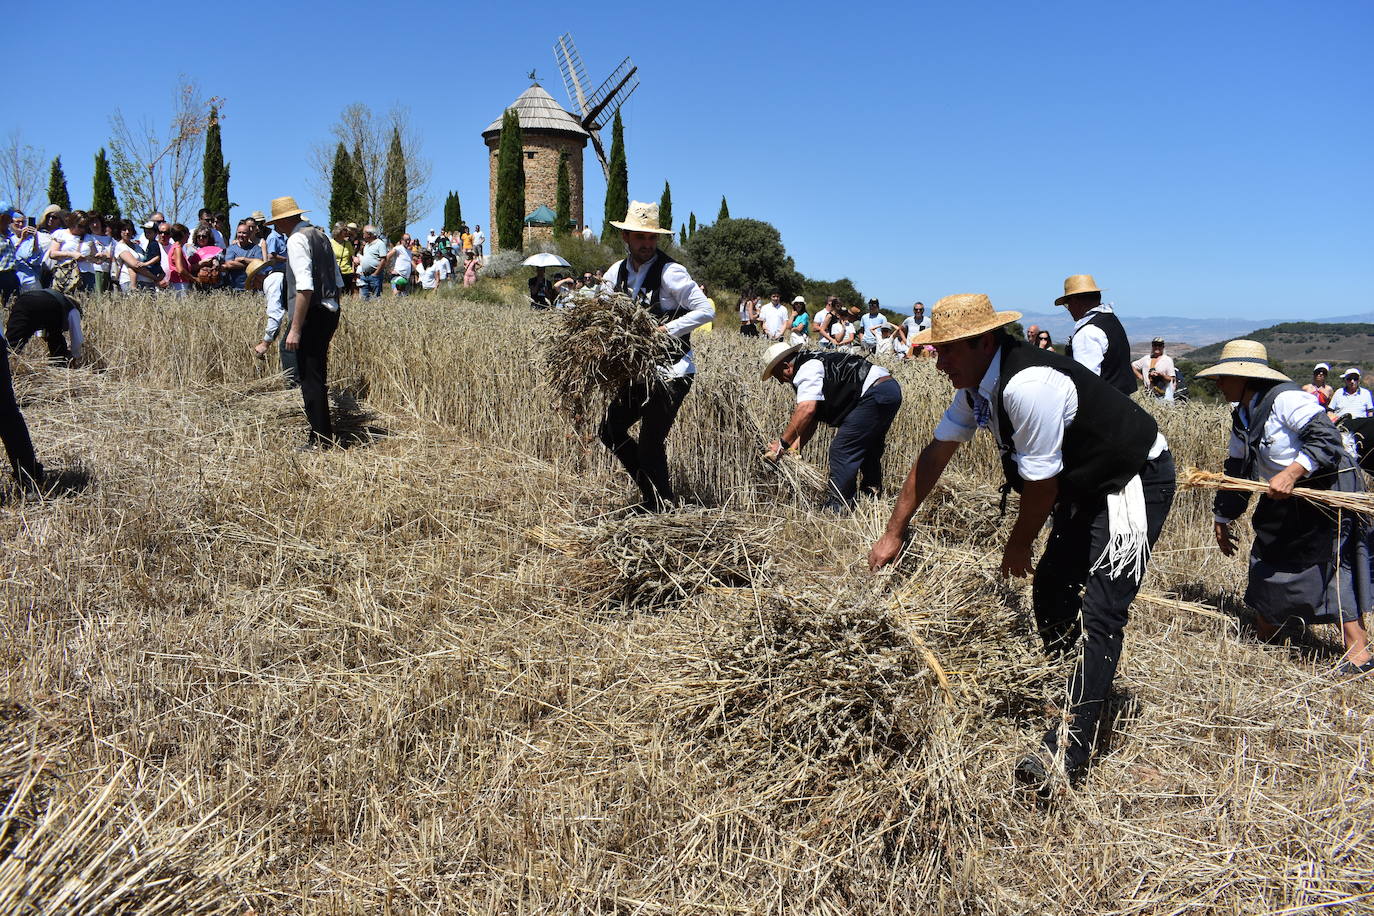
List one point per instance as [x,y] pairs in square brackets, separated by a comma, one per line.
[1353,370]
[800,300]
[1325,366]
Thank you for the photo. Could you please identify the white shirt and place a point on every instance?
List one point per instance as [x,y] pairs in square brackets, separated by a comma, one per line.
[1164,365]
[586,234]
[870,324]
[1281,445]
[298,260]
[401,266]
[83,246]
[809,380]
[677,290]
[442,270]
[429,277]
[1346,404]
[478,238]
[912,326]
[103,244]
[1089,341]
[844,334]
[1041,403]
[774,318]
[123,274]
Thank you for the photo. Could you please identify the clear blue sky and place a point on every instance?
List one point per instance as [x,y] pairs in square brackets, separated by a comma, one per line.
[1199,158]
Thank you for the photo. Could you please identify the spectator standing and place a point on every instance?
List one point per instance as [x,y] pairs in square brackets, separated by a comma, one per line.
[28,254]
[129,270]
[342,245]
[541,290]
[1318,387]
[1099,341]
[587,234]
[102,252]
[801,322]
[372,263]
[313,282]
[467,242]
[401,263]
[871,324]
[429,274]
[207,222]
[9,276]
[1043,341]
[748,315]
[242,249]
[479,240]
[205,260]
[274,263]
[474,264]
[1156,372]
[178,278]
[773,317]
[845,338]
[151,258]
[1352,400]
[1032,333]
[70,249]
[846,392]
[442,268]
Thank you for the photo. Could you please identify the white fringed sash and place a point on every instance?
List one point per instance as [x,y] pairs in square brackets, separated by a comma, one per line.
[1128,549]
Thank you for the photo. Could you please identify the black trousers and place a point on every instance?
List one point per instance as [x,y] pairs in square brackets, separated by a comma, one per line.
[859,443]
[312,367]
[37,310]
[1070,601]
[654,407]
[9,286]
[13,430]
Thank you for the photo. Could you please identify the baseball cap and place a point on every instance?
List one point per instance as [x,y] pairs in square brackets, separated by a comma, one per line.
[1157,340]
[150,224]
[6,209]
[800,300]
[1353,370]
[1324,367]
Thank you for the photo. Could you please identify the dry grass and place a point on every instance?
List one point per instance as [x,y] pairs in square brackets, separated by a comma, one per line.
[437,672]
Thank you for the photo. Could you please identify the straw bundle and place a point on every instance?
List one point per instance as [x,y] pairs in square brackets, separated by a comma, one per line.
[1363,503]
[600,344]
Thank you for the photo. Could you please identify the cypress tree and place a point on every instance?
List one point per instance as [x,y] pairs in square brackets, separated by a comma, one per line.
[395,196]
[691,225]
[665,207]
[57,186]
[343,192]
[618,187]
[103,193]
[215,173]
[682,235]
[453,212]
[724,213]
[563,220]
[510,185]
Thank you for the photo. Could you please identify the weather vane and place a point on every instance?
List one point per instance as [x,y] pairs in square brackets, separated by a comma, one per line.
[534,76]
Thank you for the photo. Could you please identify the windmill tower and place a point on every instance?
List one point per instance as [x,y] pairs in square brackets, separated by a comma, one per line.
[597,108]
[547,133]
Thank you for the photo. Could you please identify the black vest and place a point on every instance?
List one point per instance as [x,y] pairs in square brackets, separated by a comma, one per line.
[651,296]
[323,266]
[844,382]
[1116,362]
[1106,444]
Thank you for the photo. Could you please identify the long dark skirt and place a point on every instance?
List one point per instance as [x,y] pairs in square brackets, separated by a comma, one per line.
[1305,564]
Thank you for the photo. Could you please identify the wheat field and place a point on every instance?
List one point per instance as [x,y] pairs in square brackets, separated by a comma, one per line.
[439,671]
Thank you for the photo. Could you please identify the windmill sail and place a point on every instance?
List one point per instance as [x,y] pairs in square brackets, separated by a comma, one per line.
[597,108]
[574,74]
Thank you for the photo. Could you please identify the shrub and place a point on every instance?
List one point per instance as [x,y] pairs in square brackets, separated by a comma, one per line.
[503,263]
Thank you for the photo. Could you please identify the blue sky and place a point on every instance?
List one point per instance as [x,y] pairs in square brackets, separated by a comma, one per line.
[1202,159]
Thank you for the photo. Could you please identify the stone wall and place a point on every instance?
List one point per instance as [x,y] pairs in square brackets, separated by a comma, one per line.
[541,173]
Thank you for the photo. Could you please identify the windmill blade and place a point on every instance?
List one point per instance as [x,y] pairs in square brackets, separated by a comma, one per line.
[610,95]
[574,74]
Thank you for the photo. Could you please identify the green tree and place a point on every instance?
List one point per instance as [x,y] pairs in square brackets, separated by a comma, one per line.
[691,225]
[743,254]
[618,185]
[510,185]
[453,212]
[343,188]
[57,185]
[724,213]
[213,170]
[395,189]
[103,193]
[682,235]
[665,207]
[562,222]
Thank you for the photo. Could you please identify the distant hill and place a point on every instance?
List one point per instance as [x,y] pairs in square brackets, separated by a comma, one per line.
[1300,343]
[1183,330]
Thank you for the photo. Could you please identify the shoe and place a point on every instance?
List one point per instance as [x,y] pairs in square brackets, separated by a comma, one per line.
[30,480]
[1349,667]
[310,446]
[1033,774]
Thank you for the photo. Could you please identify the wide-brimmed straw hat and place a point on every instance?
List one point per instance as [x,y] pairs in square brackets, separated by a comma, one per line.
[1078,283]
[254,265]
[284,207]
[775,355]
[641,217]
[1244,359]
[962,316]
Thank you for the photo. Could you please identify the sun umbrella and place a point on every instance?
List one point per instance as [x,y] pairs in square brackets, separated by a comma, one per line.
[544,259]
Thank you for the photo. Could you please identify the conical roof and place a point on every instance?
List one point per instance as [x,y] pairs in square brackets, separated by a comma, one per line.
[538,111]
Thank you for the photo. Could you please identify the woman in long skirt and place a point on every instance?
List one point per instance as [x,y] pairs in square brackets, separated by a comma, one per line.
[1308,562]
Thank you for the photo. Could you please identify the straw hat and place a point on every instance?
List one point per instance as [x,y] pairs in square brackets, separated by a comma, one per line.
[774,355]
[284,207]
[254,265]
[641,217]
[1078,283]
[962,316]
[1244,359]
[258,216]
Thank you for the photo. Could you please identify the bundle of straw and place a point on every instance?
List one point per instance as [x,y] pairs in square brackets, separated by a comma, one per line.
[1362,503]
[600,344]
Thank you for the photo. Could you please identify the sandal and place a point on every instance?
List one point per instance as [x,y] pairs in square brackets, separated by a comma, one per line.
[1349,667]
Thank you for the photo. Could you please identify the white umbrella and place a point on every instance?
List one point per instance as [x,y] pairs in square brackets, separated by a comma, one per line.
[544,259]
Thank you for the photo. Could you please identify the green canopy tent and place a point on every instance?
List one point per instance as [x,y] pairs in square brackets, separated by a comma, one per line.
[542,216]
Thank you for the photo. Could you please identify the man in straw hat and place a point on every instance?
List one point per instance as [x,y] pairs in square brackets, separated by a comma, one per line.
[1073,446]
[1099,341]
[847,392]
[1305,564]
[664,287]
[312,284]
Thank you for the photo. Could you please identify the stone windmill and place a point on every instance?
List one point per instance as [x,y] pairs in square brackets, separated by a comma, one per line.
[598,108]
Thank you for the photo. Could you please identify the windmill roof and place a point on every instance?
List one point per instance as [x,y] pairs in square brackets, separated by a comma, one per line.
[538,111]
